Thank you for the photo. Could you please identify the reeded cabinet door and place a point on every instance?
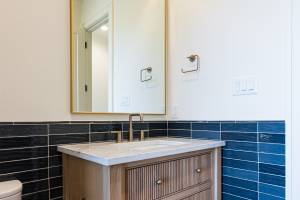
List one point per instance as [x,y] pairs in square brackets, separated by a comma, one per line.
[160,180]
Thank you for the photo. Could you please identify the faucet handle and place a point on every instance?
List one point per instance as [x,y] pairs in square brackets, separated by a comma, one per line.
[119,135]
[141,117]
[142,136]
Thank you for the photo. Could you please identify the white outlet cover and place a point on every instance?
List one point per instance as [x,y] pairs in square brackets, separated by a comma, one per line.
[174,111]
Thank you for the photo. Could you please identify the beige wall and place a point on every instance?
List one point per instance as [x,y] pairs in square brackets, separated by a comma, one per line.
[34,62]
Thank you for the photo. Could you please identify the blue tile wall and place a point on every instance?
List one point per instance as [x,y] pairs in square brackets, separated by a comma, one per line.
[253,158]
[28,150]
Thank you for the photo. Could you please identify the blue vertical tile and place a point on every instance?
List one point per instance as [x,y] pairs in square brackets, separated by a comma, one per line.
[241,155]
[240,173]
[272,190]
[179,133]
[242,146]
[240,164]
[179,125]
[272,169]
[271,127]
[272,179]
[250,185]
[249,194]
[263,196]
[226,196]
[206,126]
[272,148]
[272,138]
[235,136]
[212,135]
[272,159]
[239,127]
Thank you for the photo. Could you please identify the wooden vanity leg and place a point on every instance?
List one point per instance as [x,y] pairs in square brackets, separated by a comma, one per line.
[85,180]
[217,174]
[117,183]
[106,186]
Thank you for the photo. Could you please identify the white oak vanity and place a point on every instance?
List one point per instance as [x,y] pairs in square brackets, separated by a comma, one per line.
[165,169]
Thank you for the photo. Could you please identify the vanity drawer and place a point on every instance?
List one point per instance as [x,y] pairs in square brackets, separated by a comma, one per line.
[158,180]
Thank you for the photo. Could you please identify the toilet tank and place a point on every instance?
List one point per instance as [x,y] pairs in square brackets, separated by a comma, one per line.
[11,190]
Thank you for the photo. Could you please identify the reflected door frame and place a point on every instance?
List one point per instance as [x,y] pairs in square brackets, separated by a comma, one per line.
[105,15]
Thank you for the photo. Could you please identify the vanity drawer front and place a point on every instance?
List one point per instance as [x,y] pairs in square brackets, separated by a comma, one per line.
[161,179]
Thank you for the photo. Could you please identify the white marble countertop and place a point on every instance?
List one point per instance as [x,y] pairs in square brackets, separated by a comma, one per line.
[110,153]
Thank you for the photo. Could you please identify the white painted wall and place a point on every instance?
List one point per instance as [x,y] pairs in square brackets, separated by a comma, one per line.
[94,9]
[295,138]
[100,65]
[234,38]
[139,42]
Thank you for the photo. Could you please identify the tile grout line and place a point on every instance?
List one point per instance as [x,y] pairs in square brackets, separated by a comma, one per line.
[235,195]
[48,134]
[167,128]
[220,132]
[90,134]
[32,193]
[25,159]
[258,160]
[239,187]
[191,130]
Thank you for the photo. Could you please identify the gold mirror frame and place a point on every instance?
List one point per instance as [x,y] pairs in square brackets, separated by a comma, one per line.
[71,67]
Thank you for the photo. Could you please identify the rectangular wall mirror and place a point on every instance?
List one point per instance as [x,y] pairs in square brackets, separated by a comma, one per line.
[118,56]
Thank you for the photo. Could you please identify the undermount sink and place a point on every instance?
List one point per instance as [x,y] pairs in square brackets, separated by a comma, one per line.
[110,153]
[152,145]
[147,145]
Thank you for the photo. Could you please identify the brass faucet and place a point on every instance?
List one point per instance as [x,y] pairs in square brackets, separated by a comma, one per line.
[131,126]
[119,135]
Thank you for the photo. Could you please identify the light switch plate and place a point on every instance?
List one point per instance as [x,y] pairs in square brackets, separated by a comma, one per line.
[245,86]
[125,102]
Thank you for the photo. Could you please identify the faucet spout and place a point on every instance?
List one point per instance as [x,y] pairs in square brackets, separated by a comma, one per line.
[131,125]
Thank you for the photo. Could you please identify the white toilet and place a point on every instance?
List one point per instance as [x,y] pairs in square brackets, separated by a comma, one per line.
[11,190]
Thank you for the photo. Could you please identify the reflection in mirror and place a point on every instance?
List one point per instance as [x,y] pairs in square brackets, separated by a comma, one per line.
[118,56]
